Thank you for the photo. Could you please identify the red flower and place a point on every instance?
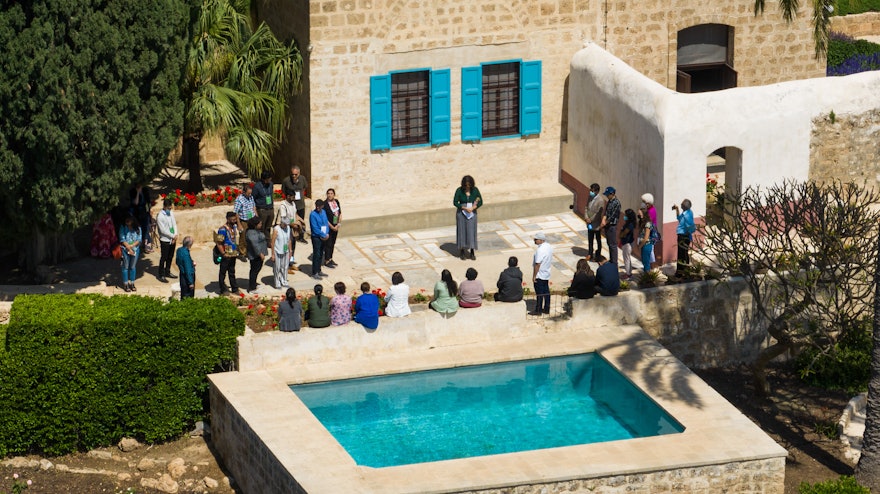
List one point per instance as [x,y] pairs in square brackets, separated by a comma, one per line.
[274,325]
[251,306]
[240,294]
[228,188]
[274,308]
[381,313]
[177,191]
[163,195]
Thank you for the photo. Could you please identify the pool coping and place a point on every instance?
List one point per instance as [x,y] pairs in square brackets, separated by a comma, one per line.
[715,432]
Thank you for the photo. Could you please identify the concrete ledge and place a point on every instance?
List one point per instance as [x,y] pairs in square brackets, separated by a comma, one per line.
[423,330]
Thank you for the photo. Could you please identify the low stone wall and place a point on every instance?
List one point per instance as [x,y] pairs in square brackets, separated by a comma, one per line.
[857,25]
[243,450]
[765,476]
[703,324]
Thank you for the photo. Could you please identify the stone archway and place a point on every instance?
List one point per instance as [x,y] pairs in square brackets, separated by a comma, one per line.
[724,170]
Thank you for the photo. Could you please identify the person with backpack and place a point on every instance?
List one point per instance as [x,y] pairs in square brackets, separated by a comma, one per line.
[649,236]
[685,233]
[226,240]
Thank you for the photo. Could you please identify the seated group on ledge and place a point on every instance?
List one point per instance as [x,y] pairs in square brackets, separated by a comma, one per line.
[585,284]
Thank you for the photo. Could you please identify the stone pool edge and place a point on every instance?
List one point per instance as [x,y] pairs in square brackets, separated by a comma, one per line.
[271,443]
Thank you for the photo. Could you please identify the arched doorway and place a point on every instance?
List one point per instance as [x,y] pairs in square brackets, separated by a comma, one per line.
[705,59]
[723,175]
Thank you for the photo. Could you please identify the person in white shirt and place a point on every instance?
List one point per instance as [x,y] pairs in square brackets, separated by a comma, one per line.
[167,227]
[281,247]
[288,208]
[398,297]
[541,274]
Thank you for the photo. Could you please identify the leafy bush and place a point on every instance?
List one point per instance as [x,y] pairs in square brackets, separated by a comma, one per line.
[847,55]
[86,370]
[846,7]
[844,485]
[846,366]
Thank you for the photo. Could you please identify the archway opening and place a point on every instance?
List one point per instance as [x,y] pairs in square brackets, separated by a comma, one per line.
[723,176]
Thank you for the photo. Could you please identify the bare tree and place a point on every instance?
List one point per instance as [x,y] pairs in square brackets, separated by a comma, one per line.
[868,469]
[806,251]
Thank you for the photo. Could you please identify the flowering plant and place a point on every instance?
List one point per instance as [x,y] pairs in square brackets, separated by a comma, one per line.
[711,185]
[19,485]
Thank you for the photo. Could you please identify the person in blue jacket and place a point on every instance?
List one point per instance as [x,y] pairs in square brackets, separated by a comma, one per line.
[685,233]
[366,309]
[320,233]
[187,268]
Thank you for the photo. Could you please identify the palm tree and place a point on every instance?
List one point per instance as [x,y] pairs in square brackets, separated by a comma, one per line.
[822,10]
[238,80]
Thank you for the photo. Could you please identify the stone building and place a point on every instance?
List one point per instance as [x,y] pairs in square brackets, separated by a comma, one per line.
[401,98]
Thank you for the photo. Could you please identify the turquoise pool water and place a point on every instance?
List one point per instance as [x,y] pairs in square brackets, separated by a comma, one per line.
[483,410]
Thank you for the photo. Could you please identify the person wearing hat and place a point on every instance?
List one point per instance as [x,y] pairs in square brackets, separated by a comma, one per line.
[610,221]
[541,274]
[593,216]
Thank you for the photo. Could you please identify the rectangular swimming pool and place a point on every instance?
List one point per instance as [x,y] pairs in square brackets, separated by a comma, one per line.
[483,410]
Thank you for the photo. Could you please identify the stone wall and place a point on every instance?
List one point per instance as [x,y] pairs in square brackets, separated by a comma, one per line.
[847,148]
[244,453]
[351,40]
[764,476]
[857,25]
[703,324]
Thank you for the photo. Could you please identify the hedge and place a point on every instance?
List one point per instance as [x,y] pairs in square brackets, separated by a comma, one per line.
[846,7]
[81,371]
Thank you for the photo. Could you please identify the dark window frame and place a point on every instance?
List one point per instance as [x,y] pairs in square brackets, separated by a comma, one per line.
[410,108]
[501,103]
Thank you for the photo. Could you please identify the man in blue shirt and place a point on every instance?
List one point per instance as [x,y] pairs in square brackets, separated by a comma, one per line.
[607,277]
[320,228]
[187,268]
[226,239]
[265,202]
[685,232]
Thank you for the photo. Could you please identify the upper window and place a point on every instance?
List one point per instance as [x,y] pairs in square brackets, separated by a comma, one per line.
[409,108]
[501,99]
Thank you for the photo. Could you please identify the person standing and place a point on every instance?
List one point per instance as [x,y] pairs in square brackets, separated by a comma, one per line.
[130,238]
[466,200]
[296,223]
[282,246]
[627,237]
[647,237]
[245,208]
[141,203]
[290,312]
[510,282]
[265,202]
[256,250]
[397,299]
[334,216]
[227,243]
[366,308]
[541,263]
[296,186]
[650,213]
[167,227]
[684,233]
[187,268]
[320,228]
[593,216]
[610,221]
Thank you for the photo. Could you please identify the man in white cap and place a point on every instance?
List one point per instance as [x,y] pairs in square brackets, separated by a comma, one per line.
[541,274]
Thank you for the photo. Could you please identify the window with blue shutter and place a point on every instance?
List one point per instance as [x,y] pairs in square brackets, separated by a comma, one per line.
[380,112]
[471,103]
[409,108]
[440,107]
[501,99]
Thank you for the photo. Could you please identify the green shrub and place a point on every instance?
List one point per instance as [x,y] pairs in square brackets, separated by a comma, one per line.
[846,366]
[846,7]
[844,485]
[842,47]
[86,370]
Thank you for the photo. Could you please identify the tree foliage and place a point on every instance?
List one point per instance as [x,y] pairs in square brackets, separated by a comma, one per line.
[90,98]
[807,252]
[238,81]
[822,10]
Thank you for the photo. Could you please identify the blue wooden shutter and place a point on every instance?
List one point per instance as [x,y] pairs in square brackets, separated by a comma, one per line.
[440,109]
[380,112]
[471,103]
[530,98]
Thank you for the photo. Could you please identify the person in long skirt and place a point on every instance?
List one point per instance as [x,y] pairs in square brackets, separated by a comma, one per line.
[467,200]
[281,246]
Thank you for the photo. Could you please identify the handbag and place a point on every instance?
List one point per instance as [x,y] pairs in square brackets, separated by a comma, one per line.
[117,251]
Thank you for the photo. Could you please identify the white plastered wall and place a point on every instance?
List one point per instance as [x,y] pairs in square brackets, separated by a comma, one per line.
[628,131]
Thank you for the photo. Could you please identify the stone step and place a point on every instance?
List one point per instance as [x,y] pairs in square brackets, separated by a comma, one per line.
[396,211]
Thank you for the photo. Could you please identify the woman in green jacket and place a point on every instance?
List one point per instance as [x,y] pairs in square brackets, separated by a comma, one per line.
[466,201]
[445,291]
[318,310]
